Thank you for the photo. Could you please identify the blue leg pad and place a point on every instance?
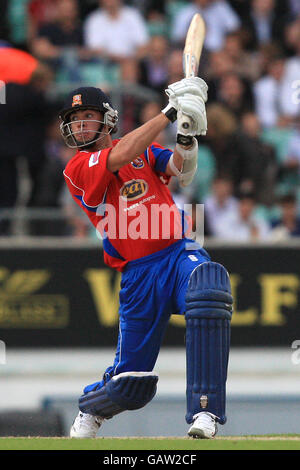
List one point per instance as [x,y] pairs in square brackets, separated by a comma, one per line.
[126,391]
[208,314]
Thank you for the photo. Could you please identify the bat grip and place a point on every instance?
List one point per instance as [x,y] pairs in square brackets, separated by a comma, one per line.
[184,140]
[183,137]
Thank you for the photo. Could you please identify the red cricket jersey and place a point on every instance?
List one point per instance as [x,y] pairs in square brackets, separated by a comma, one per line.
[132,209]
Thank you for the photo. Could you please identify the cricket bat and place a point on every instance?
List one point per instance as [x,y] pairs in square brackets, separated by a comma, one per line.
[191,57]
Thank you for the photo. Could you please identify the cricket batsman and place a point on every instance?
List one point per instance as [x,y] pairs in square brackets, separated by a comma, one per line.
[121,184]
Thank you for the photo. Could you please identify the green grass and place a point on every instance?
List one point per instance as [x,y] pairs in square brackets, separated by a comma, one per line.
[277,442]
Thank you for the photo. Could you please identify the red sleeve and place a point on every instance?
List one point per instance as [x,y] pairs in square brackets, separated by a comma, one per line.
[87,177]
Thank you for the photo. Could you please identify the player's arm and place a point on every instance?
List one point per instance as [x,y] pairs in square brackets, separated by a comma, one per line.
[133,144]
[136,142]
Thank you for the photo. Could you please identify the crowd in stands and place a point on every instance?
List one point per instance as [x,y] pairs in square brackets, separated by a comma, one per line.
[249,162]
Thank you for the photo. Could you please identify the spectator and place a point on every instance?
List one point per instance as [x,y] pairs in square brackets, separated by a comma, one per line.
[244,63]
[291,36]
[148,111]
[235,94]
[244,225]
[267,91]
[51,192]
[116,32]
[220,205]
[261,169]
[262,24]
[293,150]
[174,62]
[288,224]
[220,63]
[290,96]
[56,158]
[147,6]
[153,69]
[221,140]
[240,152]
[220,19]
[202,182]
[157,23]
[241,7]
[279,138]
[57,40]
[40,12]
[290,164]
[267,53]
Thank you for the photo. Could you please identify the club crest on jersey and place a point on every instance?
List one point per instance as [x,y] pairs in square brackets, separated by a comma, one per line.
[138,163]
[133,189]
[77,100]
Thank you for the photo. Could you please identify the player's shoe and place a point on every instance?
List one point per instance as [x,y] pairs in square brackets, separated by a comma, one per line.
[85,425]
[204,426]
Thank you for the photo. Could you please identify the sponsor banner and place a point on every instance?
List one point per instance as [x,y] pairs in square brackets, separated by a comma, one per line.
[69,297]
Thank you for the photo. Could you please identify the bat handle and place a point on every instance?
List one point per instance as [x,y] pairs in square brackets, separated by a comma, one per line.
[184,140]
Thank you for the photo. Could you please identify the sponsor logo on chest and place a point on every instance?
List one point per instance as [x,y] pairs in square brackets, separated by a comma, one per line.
[134,189]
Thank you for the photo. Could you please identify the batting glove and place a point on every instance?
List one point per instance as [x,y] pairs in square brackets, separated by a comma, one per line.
[194,108]
[193,85]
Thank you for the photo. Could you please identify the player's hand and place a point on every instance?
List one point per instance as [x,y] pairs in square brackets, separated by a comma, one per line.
[187,86]
[194,108]
[193,85]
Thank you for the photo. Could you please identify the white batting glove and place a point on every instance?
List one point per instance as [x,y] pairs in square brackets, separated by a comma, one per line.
[193,85]
[194,108]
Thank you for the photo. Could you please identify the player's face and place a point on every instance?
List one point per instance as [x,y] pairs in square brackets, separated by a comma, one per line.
[85,124]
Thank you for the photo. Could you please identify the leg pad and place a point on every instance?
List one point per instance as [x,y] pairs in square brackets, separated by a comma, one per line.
[208,315]
[126,391]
